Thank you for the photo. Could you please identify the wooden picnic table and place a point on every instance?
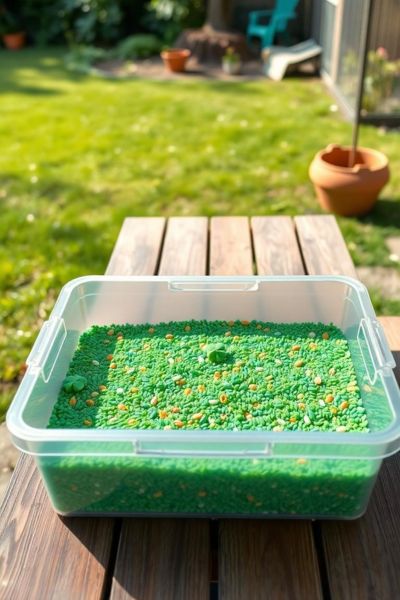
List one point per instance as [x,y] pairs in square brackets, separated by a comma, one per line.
[44,556]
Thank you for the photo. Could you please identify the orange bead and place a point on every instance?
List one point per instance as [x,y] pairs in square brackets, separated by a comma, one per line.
[197,416]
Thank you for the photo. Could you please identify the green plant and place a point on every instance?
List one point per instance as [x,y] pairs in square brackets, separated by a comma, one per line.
[137,46]
[89,21]
[9,23]
[80,58]
[55,21]
[231,56]
[43,20]
[380,78]
[167,18]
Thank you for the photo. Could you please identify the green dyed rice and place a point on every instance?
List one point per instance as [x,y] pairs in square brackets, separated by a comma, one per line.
[216,375]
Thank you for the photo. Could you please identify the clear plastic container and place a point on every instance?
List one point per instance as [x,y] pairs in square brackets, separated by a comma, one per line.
[208,473]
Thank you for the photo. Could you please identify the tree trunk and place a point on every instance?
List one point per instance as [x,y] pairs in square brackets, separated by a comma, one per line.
[218,15]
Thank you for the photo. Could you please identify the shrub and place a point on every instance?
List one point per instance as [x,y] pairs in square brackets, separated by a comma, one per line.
[138,46]
[167,18]
[89,21]
[77,21]
[81,58]
[42,20]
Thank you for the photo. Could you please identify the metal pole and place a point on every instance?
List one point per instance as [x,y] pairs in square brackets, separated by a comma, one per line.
[366,26]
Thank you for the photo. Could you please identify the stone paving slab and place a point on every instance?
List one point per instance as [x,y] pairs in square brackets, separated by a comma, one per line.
[393,243]
[384,279]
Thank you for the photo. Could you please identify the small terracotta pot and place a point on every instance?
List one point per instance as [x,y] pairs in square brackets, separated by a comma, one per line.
[344,190]
[175,59]
[14,41]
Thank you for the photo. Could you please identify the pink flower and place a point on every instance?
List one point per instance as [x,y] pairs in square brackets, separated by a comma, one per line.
[382,52]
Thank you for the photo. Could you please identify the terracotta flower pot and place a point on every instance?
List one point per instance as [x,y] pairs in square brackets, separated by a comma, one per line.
[175,59]
[344,190]
[14,41]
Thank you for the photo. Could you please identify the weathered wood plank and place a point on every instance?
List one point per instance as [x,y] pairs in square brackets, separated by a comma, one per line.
[275,246]
[363,556]
[267,559]
[230,246]
[323,247]
[162,559]
[43,556]
[185,247]
[137,249]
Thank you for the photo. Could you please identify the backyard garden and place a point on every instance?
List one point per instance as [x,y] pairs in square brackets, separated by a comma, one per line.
[80,152]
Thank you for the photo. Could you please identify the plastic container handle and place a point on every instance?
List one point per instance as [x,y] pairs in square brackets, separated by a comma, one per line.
[260,450]
[51,337]
[374,348]
[387,355]
[250,285]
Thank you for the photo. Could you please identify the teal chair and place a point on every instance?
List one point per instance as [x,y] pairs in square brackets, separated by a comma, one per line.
[265,24]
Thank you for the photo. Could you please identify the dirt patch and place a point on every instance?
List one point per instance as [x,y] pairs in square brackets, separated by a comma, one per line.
[154,69]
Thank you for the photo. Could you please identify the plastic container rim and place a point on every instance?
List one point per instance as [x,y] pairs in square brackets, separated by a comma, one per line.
[20,430]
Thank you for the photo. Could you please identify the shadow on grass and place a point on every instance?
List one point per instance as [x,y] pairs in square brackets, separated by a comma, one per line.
[43,64]
[64,214]
[385,214]
[32,71]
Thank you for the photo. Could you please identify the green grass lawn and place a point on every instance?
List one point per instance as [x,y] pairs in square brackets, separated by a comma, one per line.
[80,153]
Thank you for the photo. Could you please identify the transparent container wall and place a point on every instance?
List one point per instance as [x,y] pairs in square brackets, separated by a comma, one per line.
[105,302]
[302,487]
